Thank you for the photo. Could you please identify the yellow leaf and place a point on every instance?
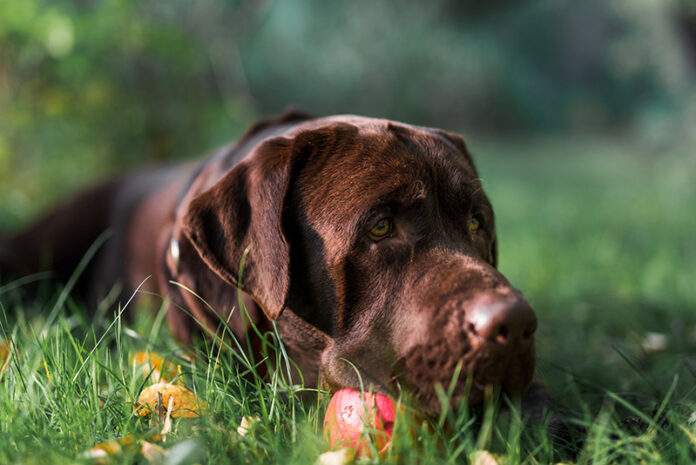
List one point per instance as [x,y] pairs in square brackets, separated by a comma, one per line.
[152,452]
[336,457]
[5,352]
[483,457]
[246,425]
[167,424]
[101,452]
[156,398]
[154,365]
[97,454]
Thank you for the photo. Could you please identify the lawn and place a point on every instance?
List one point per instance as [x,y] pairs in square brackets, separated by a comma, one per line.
[599,235]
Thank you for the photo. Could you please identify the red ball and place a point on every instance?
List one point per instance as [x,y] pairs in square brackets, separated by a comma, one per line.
[354,418]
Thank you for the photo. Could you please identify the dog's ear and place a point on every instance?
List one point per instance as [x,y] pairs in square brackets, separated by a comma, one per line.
[245,210]
[458,142]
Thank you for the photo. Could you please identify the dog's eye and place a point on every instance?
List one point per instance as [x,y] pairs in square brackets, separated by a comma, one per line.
[473,225]
[381,229]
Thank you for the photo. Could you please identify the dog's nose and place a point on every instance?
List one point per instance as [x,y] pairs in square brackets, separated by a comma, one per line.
[501,320]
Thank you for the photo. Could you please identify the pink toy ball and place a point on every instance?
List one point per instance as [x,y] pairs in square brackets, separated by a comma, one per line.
[353,419]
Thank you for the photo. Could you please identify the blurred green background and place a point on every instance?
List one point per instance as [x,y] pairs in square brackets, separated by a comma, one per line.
[580,115]
[90,86]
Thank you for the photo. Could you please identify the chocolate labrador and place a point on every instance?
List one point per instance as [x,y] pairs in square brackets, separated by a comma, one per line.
[370,242]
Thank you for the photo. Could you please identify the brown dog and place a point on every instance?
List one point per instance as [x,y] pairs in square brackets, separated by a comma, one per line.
[367,240]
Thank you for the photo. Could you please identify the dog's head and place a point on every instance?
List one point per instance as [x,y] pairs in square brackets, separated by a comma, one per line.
[380,238]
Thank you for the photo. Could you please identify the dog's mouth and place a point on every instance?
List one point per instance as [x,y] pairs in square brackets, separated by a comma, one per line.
[487,348]
[465,358]
[364,380]
[424,379]
[436,382]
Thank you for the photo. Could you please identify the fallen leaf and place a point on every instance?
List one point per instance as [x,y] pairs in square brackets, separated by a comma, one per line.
[167,425]
[336,457]
[5,352]
[483,457]
[152,452]
[246,425]
[154,398]
[98,455]
[101,452]
[654,342]
[155,366]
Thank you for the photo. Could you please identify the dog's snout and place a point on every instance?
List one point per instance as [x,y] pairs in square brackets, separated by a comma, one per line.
[501,320]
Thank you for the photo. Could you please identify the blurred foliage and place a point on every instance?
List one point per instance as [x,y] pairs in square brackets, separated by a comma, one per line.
[514,66]
[92,86]
[86,87]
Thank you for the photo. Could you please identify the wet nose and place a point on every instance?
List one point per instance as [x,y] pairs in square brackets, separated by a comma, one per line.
[501,320]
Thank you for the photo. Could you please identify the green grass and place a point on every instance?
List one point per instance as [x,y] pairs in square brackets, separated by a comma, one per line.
[598,234]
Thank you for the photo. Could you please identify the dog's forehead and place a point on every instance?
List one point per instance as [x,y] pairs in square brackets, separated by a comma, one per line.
[377,158]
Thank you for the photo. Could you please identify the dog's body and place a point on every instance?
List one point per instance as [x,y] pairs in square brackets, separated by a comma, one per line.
[367,240]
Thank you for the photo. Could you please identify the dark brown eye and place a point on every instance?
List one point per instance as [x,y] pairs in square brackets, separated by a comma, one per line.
[381,229]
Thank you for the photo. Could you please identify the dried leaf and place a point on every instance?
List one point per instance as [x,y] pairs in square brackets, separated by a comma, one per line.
[336,457]
[154,365]
[167,426]
[654,342]
[483,457]
[101,452]
[152,452]
[246,425]
[97,454]
[5,352]
[154,398]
